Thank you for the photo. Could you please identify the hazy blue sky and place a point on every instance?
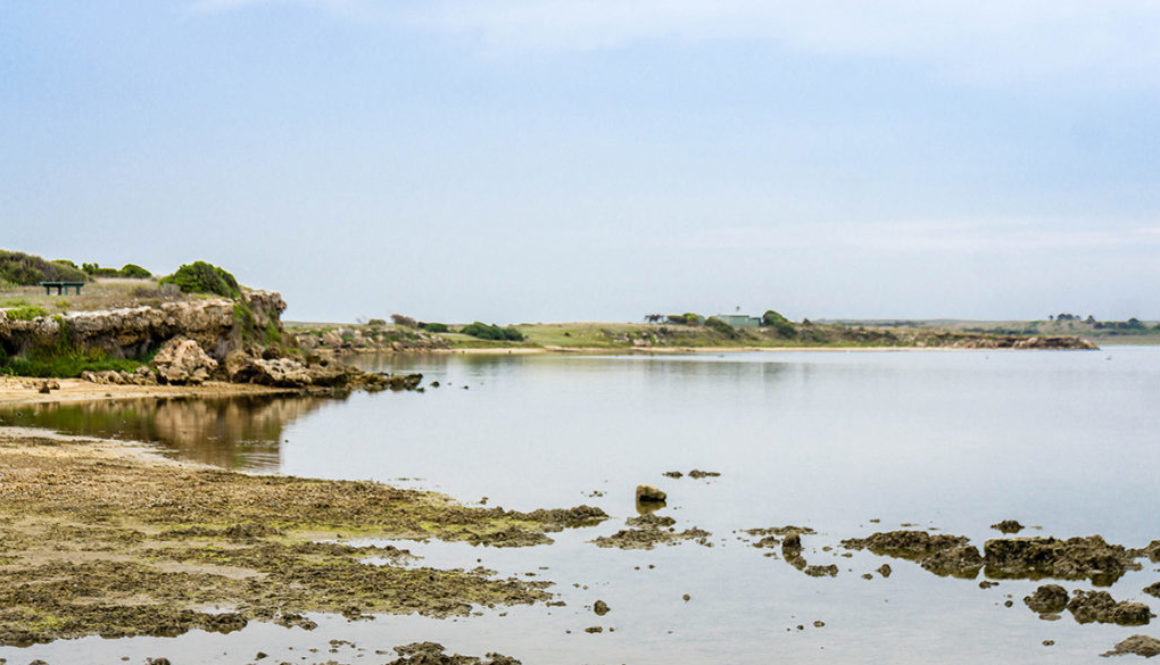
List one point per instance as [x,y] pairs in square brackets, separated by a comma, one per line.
[511,160]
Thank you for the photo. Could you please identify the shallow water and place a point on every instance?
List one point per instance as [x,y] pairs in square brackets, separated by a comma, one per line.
[1066,441]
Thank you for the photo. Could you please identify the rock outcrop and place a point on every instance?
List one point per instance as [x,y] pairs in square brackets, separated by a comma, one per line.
[312,372]
[369,339]
[182,362]
[142,376]
[217,325]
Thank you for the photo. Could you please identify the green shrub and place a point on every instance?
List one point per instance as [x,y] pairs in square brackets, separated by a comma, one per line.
[779,323]
[26,313]
[692,319]
[27,270]
[202,277]
[134,270]
[66,367]
[721,327]
[95,270]
[493,332]
[435,327]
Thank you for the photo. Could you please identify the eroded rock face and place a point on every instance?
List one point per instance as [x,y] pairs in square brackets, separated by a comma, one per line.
[182,361]
[132,332]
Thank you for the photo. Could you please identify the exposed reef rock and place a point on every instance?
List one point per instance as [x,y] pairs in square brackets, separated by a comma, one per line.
[1018,558]
[1072,559]
[940,554]
[1047,599]
[1089,606]
[431,653]
[1008,526]
[1140,645]
[650,531]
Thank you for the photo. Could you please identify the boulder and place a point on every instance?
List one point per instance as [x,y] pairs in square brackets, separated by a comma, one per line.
[646,493]
[281,372]
[182,361]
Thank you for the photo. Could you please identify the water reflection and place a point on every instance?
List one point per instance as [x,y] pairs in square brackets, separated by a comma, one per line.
[235,433]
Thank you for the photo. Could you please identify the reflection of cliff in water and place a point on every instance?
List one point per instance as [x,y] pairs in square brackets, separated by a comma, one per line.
[234,433]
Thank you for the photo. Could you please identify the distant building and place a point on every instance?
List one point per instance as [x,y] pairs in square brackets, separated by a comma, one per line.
[740,320]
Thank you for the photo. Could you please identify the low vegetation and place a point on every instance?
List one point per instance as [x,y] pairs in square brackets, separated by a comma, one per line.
[25,313]
[202,277]
[493,332]
[128,270]
[23,269]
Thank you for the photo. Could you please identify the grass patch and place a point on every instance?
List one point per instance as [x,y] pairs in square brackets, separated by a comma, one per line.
[65,367]
[26,313]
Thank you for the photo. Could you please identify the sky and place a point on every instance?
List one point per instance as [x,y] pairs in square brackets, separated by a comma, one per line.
[558,160]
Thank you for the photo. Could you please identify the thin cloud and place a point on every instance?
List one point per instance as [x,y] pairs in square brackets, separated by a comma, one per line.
[1111,43]
[945,237]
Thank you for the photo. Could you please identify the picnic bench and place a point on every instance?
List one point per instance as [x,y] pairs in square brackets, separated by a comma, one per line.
[61,287]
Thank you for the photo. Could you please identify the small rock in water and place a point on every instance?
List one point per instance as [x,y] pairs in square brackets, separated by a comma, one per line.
[672,474]
[698,474]
[1047,599]
[648,493]
[601,608]
[1048,643]
[885,570]
[594,629]
[1008,526]
[686,597]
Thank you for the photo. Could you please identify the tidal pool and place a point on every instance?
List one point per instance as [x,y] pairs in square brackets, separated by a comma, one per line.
[1065,442]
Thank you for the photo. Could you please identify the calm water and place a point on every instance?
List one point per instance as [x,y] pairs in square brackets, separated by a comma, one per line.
[1066,441]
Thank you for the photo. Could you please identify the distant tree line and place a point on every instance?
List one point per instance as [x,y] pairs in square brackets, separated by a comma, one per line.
[771,319]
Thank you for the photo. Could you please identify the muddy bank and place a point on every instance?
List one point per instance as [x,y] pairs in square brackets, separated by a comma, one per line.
[97,539]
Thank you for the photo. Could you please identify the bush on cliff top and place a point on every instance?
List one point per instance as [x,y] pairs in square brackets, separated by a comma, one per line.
[28,270]
[202,277]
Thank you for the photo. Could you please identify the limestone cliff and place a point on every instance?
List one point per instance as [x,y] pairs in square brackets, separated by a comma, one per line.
[218,325]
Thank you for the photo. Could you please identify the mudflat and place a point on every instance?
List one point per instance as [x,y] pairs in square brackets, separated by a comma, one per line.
[104,538]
